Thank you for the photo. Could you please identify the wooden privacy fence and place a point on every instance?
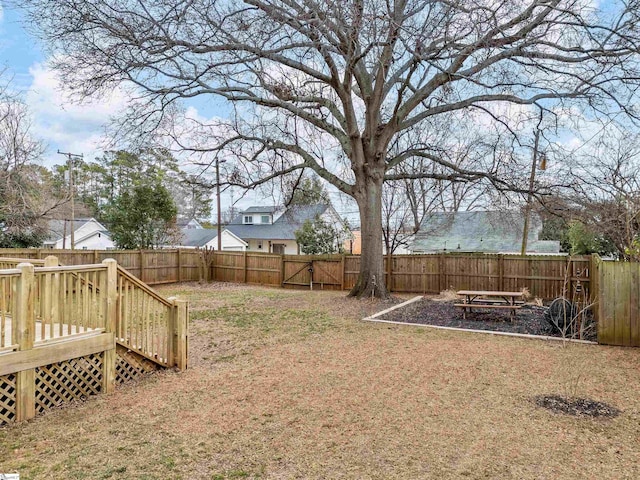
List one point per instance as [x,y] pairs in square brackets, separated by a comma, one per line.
[153,267]
[67,332]
[618,306]
[546,277]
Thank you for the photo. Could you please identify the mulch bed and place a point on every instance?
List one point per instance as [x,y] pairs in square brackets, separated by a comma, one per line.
[529,319]
[576,406]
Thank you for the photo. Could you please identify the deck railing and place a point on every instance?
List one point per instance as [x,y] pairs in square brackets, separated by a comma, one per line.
[150,324]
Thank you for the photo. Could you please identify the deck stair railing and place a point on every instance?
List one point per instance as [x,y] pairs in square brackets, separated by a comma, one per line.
[149,324]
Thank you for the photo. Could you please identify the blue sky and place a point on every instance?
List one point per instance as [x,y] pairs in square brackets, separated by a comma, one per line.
[79,128]
[61,124]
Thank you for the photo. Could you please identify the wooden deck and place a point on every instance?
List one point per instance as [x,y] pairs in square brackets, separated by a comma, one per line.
[44,332]
[70,332]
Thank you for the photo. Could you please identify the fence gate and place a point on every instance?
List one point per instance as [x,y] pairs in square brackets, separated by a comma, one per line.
[321,274]
[297,273]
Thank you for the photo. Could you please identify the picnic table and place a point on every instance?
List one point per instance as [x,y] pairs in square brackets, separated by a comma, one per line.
[490,299]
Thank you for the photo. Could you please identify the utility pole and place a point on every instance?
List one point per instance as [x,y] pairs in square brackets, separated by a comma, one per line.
[70,157]
[532,176]
[218,162]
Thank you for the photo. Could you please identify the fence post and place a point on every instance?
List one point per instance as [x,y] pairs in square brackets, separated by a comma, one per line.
[594,286]
[244,266]
[141,265]
[181,335]
[282,265]
[442,277]
[342,270]
[24,325]
[179,265]
[111,319]
[501,272]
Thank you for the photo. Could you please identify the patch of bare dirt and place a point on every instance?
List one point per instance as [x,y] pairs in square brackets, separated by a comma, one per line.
[576,406]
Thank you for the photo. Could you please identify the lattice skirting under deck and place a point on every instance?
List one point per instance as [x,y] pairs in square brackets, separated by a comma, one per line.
[7,398]
[70,380]
[66,381]
[130,366]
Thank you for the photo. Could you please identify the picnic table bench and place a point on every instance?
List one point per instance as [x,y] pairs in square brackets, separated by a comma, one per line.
[490,299]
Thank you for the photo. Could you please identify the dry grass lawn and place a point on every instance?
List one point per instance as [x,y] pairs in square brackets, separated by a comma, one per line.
[289,384]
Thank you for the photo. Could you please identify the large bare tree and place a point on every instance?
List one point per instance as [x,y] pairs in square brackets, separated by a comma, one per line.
[605,192]
[26,193]
[330,85]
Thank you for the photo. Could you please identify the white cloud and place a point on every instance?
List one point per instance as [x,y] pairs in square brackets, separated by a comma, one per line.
[65,125]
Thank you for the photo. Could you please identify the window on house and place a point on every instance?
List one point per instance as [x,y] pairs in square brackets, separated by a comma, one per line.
[260,244]
[265,219]
[248,219]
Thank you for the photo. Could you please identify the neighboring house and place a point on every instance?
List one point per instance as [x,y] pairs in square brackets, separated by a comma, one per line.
[488,232]
[89,234]
[272,229]
[208,238]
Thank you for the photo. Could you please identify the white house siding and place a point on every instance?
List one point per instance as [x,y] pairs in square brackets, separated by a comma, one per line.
[290,246]
[99,241]
[229,243]
[84,232]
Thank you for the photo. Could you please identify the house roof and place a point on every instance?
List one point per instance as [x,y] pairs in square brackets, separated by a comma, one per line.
[259,209]
[491,232]
[56,228]
[283,228]
[184,222]
[198,237]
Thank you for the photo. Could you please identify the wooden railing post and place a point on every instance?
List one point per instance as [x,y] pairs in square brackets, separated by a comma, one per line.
[51,261]
[172,334]
[181,335]
[111,319]
[342,270]
[24,326]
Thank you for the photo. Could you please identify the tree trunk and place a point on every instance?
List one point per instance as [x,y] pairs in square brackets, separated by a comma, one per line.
[371,280]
